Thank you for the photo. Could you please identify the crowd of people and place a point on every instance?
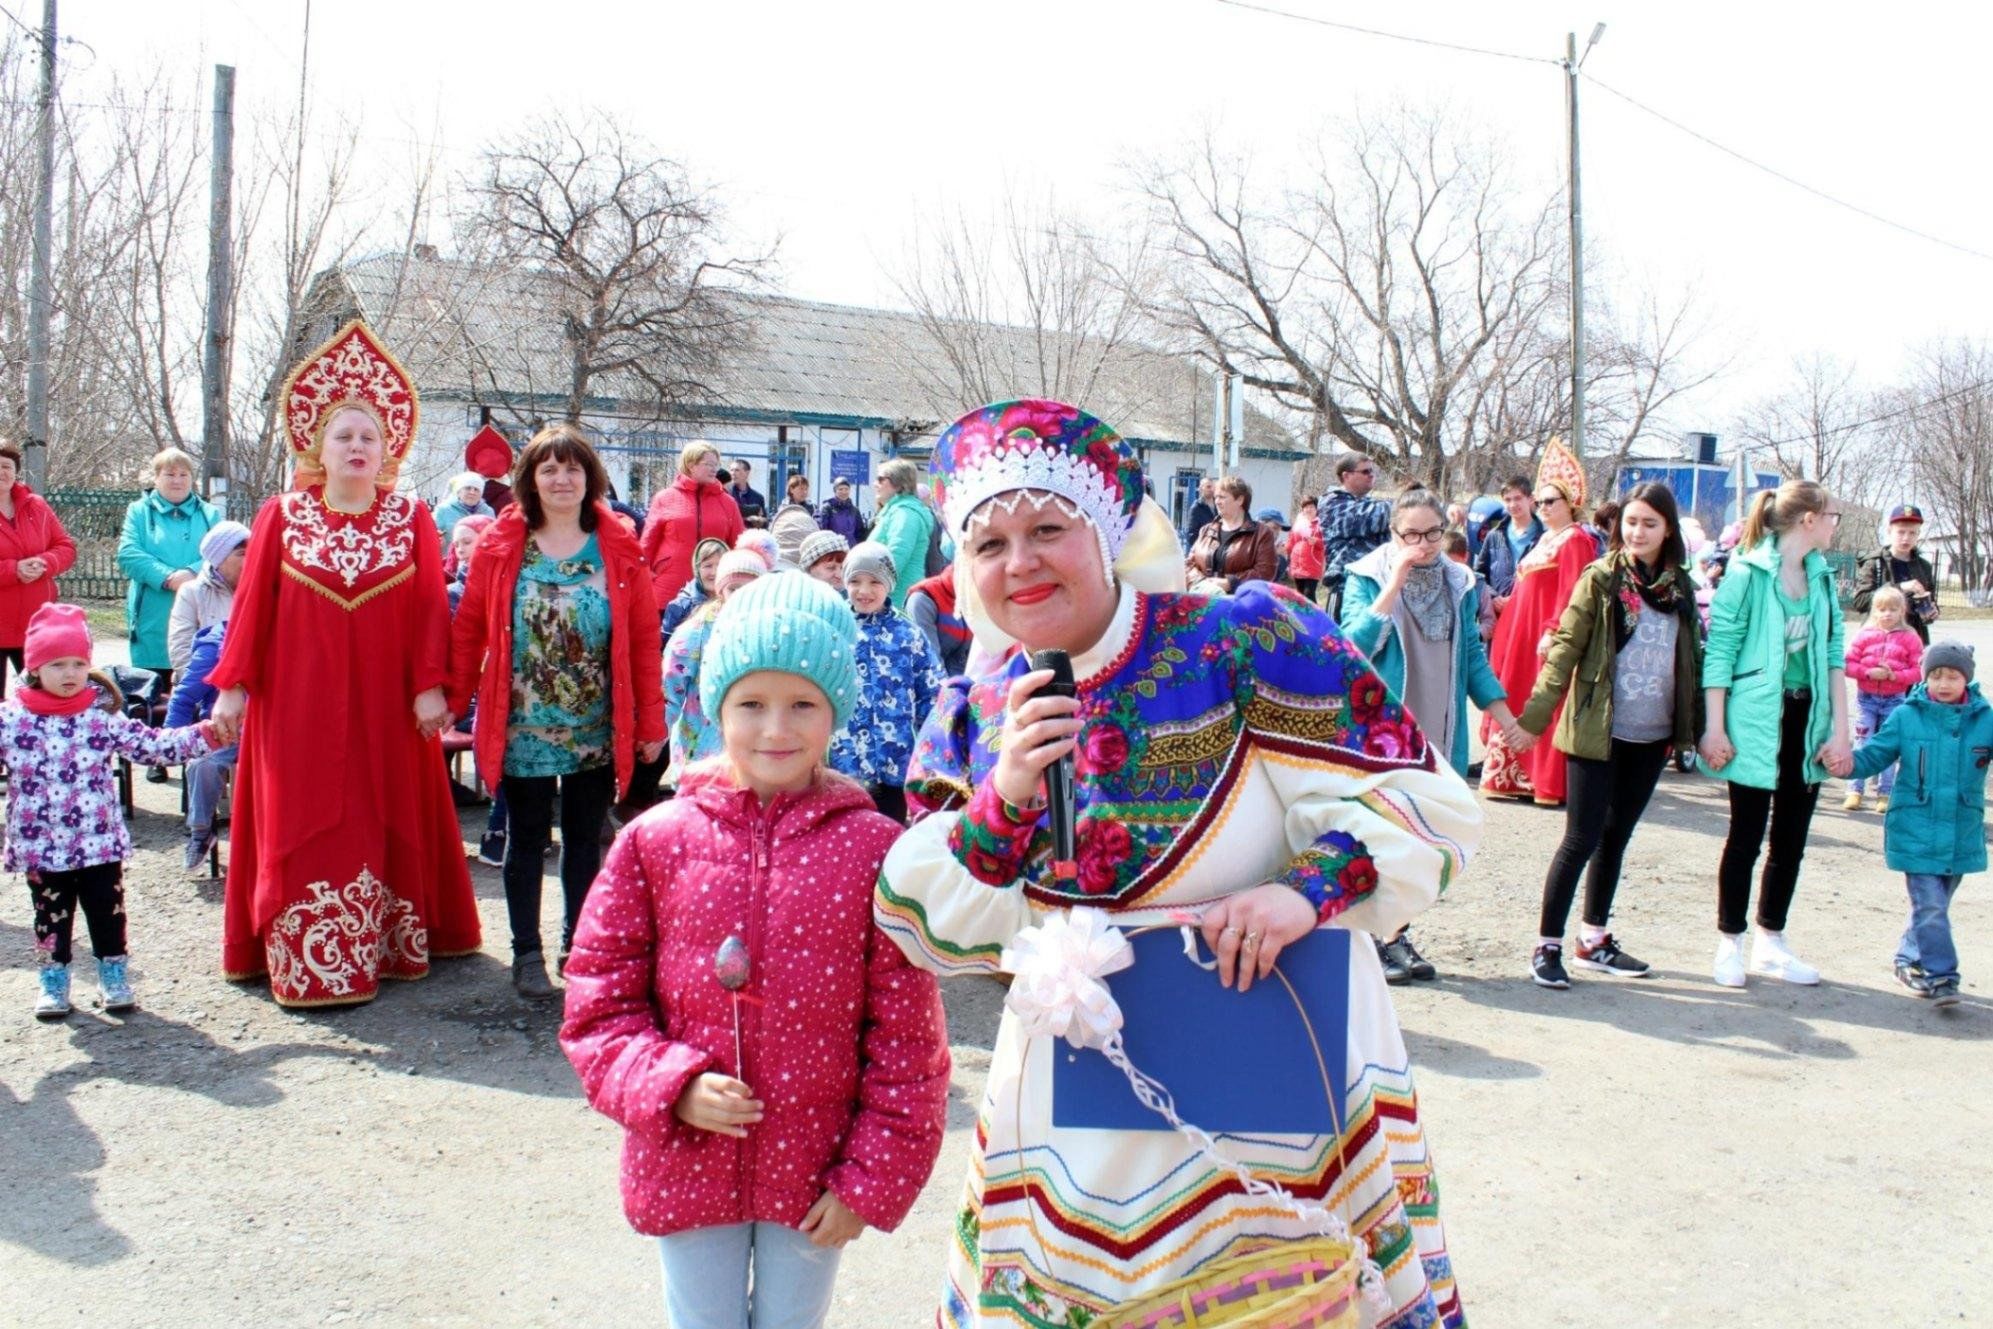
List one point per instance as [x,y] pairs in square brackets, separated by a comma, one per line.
[817,745]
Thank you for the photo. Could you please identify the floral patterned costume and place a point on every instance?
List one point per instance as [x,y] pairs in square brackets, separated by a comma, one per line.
[1226,742]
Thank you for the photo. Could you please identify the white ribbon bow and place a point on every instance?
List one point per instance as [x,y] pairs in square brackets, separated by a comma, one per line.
[1056,970]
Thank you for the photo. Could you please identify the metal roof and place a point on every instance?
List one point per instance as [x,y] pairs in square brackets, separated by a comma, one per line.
[487,334]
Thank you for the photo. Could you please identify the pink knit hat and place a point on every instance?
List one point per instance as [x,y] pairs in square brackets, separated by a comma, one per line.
[56,632]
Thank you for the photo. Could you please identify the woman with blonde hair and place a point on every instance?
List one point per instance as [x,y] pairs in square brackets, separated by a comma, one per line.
[904,524]
[347,864]
[160,551]
[693,507]
[1776,726]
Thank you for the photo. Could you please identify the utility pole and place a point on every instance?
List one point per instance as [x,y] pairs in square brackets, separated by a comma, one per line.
[1572,60]
[221,282]
[35,452]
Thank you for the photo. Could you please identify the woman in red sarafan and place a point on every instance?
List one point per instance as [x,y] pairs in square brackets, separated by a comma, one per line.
[346,862]
[1544,580]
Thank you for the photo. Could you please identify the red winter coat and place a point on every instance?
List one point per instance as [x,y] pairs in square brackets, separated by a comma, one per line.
[34,532]
[482,631]
[684,513]
[1307,554]
[1900,652]
[844,1042]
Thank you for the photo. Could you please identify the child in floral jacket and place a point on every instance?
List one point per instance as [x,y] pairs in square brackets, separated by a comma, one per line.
[65,828]
[898,680]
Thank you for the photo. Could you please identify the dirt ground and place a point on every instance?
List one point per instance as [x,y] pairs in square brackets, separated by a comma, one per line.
[1662,1152]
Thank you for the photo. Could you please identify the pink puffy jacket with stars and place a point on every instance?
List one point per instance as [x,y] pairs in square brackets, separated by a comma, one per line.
[844,1041]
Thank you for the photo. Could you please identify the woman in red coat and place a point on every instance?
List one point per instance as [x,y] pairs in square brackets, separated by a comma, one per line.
[557,637]
[1544,580]
[692,508]
[346,863]
[34,551]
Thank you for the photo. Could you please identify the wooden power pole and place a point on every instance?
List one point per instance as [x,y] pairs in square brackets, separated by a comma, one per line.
[35,451]
[221,284]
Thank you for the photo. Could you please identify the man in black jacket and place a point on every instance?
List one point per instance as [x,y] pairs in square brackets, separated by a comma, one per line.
[1899,564]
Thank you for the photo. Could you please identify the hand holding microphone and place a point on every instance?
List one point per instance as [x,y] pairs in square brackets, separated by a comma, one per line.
[1040,726]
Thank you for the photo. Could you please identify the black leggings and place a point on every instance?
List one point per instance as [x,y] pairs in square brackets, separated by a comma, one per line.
[890,799]
[1789,808]
[1603,806]
[1308,586]
[99,890]
[585,797]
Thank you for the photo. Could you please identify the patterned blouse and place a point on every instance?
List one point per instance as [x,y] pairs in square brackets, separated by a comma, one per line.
[560,665]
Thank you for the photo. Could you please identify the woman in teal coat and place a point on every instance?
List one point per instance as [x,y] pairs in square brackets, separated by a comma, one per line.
[1416,614]
[159,550]
[904,524]
[1776,721]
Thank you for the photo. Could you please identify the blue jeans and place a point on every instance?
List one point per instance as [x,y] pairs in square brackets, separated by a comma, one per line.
[1927,941]
[1871,709]
[706,1278]
[204,776]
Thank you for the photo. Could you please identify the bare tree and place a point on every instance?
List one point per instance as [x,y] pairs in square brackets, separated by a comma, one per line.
[1815,426]
[1944,414]
[625,248]
[1029,303]
[1374,294]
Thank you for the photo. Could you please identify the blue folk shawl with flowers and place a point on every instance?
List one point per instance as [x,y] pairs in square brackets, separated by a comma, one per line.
[1167,728]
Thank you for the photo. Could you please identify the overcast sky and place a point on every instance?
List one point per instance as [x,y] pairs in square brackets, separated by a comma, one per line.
[834,125]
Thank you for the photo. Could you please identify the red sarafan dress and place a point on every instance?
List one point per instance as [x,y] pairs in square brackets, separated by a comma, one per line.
[1544,580]
[346,862]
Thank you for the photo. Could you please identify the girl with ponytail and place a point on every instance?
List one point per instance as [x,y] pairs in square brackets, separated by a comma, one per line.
[1777,715]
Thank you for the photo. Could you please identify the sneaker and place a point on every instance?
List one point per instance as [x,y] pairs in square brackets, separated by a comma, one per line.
[1607,958]
[1882,803]
[1546,966]
[1729,967]
[114,984]
[491,849]
[1771,957]
[1910,976]
[1407,956]
[1853,802]
[198,844]
[529,976]
[1395,972]
[53,1001]
[1944,992]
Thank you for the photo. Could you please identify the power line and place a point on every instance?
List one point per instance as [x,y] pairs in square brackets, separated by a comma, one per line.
[1979,385]
[1393,36]
[1777,174]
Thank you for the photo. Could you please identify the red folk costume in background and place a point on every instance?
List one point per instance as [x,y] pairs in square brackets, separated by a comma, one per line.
[346,863]
[1544,580]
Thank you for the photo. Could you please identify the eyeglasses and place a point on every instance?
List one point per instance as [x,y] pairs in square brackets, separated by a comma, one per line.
[1432,535]
[1548,500]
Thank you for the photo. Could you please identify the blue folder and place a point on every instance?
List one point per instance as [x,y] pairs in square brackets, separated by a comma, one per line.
[1234,1062]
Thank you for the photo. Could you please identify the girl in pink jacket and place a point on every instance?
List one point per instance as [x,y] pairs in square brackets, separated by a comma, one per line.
[1885,659]
[779,1068]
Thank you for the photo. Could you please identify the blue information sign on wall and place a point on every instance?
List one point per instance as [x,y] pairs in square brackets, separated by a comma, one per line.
[854,465]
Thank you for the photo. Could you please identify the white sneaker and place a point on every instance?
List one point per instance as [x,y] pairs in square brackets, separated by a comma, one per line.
[1729,960]
[1771,957]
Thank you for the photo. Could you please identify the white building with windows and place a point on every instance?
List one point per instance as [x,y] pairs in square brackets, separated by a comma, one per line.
[824,390]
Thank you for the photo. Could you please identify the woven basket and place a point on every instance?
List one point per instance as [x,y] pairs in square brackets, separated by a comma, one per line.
[1295,1285]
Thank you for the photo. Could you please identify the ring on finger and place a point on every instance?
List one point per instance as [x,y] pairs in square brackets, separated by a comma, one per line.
[1252,939]
[1231,930]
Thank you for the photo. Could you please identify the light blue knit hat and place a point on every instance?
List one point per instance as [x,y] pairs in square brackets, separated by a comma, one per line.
[795,625]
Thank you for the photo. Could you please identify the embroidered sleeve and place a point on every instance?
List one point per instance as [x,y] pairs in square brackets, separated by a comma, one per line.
[1375,826]
[992,836]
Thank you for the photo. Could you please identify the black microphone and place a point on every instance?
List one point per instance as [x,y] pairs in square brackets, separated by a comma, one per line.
[1059,775]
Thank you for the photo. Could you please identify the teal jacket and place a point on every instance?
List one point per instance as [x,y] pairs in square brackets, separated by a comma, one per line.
[159,539]
[905,525]
[1745,654]
[1376,635]
[1937,815]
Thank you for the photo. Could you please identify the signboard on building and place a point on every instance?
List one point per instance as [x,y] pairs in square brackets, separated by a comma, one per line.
[853,464]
